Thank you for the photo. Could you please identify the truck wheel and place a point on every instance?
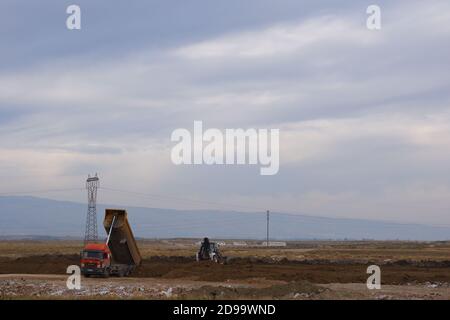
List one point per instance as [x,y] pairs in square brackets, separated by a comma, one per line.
[215,259]
[106,274]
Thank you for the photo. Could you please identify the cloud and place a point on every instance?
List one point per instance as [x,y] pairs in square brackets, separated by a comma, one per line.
[364,116]
[280,40]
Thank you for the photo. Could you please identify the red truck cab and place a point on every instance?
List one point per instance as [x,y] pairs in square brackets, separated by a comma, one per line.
[96,259]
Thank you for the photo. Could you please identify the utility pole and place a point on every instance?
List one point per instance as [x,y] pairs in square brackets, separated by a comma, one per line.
[91,232]
[267,238]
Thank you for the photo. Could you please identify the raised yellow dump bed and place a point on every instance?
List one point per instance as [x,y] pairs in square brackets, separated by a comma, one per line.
[121,242]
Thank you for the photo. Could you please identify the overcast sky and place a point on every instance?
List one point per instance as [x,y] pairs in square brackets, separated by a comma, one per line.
[364,116]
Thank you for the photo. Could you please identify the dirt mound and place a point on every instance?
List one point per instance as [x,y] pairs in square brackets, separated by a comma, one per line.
[170,259]
[39,264]
[180,267]
[421,263]
[291,290]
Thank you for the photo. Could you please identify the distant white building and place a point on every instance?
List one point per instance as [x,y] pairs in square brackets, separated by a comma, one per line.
[239,244]
[219,243]
[274,244]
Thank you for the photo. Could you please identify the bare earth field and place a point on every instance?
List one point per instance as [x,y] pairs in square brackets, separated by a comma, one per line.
[301,270]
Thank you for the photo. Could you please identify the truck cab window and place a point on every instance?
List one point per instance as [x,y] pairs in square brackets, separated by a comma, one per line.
[93,254]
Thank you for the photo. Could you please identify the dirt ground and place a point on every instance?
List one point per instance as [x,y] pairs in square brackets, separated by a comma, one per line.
[301,270]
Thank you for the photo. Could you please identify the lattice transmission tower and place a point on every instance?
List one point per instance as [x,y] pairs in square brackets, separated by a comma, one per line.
[91,233]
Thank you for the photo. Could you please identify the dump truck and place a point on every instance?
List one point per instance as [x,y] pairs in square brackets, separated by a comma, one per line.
[119,255]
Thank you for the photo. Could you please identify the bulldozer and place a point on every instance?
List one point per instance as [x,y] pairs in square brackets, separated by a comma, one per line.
[209,251]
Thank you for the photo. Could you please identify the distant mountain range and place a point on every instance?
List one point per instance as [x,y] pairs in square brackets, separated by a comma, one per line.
[24,216]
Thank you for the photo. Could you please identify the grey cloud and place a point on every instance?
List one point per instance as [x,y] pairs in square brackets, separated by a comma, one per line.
[365,115]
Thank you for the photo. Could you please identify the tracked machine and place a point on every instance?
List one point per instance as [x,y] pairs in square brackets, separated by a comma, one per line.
[209,251]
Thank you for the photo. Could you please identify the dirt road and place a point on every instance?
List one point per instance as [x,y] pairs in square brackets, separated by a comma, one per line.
[54,287]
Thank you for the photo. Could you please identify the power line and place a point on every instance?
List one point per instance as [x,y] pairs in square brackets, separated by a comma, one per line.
[226,205]
[223,205]
[40,191]
[37,175]
[175,225]
[267,228]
